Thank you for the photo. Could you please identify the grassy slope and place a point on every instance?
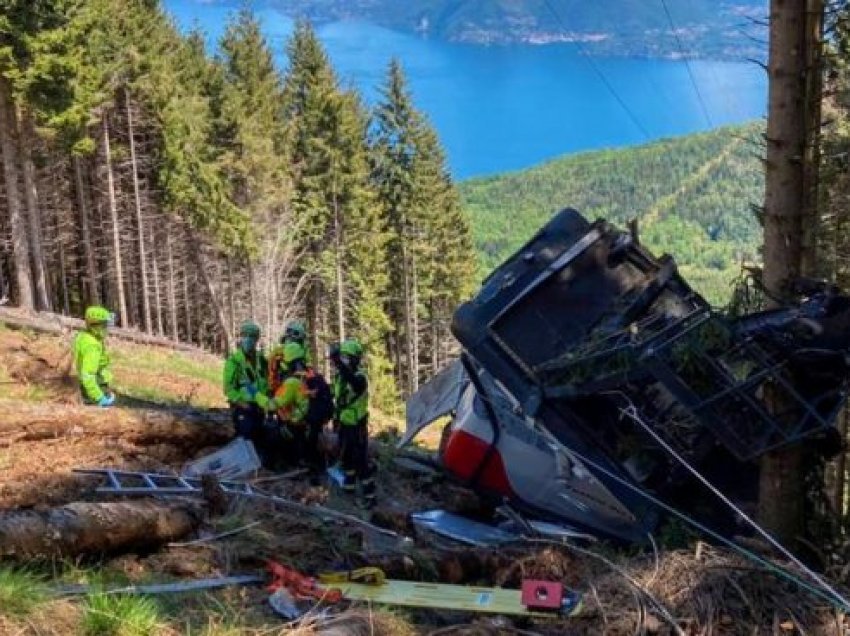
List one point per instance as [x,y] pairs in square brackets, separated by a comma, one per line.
[37,368]
[692,195]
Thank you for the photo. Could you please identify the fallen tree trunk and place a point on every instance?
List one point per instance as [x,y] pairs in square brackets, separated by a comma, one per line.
[96,528]
[44,322]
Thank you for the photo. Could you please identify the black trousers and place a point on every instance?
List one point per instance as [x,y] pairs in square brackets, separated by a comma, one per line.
[302,442]
[315,457]
[250,423]
[354,449]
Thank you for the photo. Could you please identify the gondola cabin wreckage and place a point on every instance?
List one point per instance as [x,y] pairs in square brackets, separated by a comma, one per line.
[598,390]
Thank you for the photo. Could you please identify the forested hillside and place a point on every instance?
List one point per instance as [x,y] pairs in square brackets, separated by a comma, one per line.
[692,195]
[710,28]
[190,192]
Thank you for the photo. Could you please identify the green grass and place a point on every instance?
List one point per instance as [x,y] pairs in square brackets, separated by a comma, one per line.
[21,592]
[120,615]
[146,393]
[167,362]
[166,377]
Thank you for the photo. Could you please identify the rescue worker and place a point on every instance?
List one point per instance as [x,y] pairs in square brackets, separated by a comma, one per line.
[303,403]
[91,358]
[295,332]
[245,387]
[292,400]
[351,417]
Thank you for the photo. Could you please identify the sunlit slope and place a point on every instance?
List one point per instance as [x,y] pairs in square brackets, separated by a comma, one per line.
[692,195]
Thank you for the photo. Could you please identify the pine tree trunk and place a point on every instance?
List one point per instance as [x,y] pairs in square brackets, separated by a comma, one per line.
[409,335]
[36,243]
[276,327]
[840,486]
[140,224]
[194,246]
[340,290]
[314,322]
[231,304]
[323,329]
[251,299]
[157,290]
[172,291]
[9,149]
[812,147]
[781,487]
[435,337]
[414,321]
[85,232]
[116,229]
[63,273]
[187,299]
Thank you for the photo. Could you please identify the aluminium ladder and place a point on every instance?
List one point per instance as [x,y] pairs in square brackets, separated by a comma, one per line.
[123,482]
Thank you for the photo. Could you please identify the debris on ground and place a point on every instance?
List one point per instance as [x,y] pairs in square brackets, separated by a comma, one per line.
[246,521]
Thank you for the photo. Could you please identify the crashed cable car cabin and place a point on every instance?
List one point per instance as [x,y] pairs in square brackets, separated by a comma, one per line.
[586,361]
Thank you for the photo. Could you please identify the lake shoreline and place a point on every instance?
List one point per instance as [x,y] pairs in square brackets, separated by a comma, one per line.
[501,108]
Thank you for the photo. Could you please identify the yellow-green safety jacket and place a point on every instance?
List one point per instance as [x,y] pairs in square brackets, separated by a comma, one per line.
[91,361]
[351,406]
[293,399]
[244,381]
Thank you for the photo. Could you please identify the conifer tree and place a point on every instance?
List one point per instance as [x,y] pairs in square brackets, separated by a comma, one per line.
[339,227]
[250,133]
[429,242]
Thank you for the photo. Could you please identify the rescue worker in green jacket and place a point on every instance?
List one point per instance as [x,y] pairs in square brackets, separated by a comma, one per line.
[245,387]
[295,332]
[351,417]
[291,400]
[91,358]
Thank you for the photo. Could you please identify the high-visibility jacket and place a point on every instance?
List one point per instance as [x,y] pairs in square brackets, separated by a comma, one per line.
[91,361]
[293,398]
[245,380]
[351,398]
[277,367]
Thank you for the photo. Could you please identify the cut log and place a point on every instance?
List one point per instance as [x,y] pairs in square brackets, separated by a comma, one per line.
[96,528]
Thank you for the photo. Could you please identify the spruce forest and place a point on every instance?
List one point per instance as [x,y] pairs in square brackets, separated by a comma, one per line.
[189,191]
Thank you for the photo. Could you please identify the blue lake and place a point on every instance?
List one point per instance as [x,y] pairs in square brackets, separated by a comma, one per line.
[500,108]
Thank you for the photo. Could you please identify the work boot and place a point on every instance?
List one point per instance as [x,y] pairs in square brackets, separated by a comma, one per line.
[368,492]
[349,485]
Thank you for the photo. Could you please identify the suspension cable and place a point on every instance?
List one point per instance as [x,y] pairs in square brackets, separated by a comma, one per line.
[687,65]
[631,412]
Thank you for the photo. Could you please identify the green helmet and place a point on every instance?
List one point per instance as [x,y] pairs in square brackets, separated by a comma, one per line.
[295,330]
[96,315]
[250,329]
[351,347]
[293,351]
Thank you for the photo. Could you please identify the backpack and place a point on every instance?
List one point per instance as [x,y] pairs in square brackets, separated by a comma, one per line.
[321,408]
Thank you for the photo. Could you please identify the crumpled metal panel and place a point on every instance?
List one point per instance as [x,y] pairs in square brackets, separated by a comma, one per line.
[236,460]
[434,400]
[461,529]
